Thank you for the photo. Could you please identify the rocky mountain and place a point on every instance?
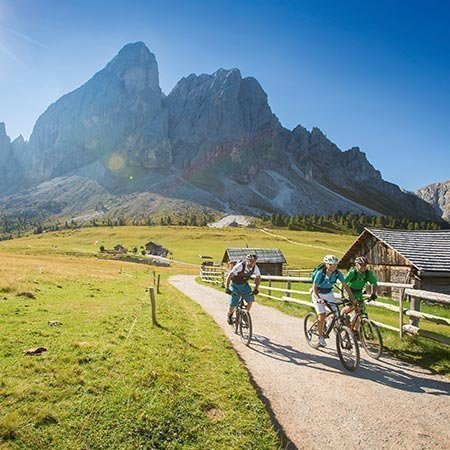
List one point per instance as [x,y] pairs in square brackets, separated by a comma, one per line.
[437,195]
[212,142]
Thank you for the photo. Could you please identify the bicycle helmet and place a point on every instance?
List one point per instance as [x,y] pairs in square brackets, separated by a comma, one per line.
[252,256]
[361,260]
[330,259]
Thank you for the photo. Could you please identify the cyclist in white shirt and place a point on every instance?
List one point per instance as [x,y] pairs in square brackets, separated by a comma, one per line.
[238,278]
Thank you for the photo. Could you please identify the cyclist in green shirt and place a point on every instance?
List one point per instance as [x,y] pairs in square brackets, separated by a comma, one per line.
[357,278]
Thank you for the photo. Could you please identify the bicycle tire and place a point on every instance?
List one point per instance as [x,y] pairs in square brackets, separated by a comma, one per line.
[310,329]
[347,348]
[370,337]
[245,327]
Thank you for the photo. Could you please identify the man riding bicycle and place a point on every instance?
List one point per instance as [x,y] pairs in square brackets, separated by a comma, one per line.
[322,291]
[238,277]
[357,278]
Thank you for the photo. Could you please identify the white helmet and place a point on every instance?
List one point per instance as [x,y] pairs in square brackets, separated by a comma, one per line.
[330,259]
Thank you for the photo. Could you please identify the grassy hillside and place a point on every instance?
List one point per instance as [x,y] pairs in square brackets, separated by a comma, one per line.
[186,243]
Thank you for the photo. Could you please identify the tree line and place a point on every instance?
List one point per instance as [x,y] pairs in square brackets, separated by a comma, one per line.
[348,222]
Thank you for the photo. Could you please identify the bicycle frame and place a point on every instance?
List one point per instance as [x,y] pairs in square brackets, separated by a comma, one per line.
[336,312]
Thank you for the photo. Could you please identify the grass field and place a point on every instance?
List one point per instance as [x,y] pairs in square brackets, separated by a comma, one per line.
[186,243]
[109,379]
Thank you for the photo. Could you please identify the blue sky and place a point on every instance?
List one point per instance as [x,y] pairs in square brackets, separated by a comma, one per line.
[373,74]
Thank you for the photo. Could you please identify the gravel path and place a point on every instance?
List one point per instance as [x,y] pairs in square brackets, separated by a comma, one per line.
[312,397]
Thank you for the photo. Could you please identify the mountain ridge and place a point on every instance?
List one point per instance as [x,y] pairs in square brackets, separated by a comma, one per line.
[213,133]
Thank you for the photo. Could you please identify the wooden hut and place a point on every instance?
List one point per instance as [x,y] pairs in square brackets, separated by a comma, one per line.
[404,256]
[119,248]
[152,248]
[270,260]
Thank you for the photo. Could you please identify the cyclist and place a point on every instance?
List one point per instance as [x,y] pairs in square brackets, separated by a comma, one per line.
[323,283]
[357,278]
[238,277]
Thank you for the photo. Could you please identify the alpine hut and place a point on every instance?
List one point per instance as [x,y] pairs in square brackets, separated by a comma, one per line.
[405,256]
[270,260]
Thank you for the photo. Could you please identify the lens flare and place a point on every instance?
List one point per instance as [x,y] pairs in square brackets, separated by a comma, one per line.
[116,162]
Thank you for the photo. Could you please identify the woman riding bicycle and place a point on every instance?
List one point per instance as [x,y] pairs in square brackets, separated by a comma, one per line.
[323,283]
[239,276]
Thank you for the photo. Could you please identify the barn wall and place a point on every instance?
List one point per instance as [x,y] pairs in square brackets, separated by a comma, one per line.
[436,284]
[270,268]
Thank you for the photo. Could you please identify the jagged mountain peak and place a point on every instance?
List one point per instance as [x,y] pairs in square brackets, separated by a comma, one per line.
[3,129]
[211,132]
[136,66]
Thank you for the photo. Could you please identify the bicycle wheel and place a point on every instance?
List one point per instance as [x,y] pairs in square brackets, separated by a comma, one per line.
[245,326]
[371,339]
[347,348]
[311,330]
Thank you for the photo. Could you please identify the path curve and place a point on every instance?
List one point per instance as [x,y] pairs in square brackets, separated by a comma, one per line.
[310,394]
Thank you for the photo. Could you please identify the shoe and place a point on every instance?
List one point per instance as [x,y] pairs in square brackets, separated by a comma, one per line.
[322,342]
[230,319]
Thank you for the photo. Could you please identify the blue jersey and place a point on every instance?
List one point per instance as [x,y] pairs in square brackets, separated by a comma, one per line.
[325,283]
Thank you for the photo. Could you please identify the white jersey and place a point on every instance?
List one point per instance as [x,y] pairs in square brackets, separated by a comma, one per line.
[240,265]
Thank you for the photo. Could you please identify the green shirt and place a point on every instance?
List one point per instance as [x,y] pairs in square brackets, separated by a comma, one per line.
[357,283]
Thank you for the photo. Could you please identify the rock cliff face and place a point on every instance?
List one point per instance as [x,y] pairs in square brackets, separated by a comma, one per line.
[438,196]
[11,171]
[118,111]
[213,142]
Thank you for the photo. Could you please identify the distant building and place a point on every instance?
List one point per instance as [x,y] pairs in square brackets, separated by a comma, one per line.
[404,256]
[119,248]
[270,260]
[152,248]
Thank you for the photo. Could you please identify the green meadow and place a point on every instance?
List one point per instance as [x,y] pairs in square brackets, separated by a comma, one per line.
[185,243]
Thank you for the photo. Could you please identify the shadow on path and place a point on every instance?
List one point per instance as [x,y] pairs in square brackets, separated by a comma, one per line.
[395,377]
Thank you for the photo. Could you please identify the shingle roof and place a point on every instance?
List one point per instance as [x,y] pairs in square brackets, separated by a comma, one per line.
[427,250]
[265,255]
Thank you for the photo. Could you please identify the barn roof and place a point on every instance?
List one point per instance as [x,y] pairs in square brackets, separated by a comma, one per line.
[265,255]
[426,250]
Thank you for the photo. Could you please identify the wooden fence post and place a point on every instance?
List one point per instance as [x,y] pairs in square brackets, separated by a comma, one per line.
[270,285]
[154,278]
[153,302]
[400,317]
[157,284]
[288,286]
[414,304]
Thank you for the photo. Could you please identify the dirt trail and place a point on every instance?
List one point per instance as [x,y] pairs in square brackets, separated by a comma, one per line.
[385,404]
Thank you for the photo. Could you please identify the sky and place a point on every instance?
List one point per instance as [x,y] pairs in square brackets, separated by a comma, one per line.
[372,74]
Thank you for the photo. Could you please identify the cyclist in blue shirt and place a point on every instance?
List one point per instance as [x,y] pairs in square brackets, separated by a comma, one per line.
[323,283]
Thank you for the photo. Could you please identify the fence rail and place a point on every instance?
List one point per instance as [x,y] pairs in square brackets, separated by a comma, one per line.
[216,275]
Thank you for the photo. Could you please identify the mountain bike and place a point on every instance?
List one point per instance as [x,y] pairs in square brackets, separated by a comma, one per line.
[367,331]
[242,322]
[346,344]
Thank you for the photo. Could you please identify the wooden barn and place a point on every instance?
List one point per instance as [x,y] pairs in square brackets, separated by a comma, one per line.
[152,248]
[119,248]
[270,260]
[404,256]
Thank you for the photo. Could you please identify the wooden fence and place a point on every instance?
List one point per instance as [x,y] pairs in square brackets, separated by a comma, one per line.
[216,275]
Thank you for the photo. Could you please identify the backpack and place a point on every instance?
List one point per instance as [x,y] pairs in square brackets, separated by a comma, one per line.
[240,276]
[322,267]
[355,276]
